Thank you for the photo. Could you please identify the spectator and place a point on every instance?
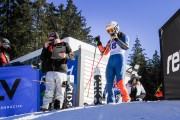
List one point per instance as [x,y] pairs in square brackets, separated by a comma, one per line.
[4,50]
[136,89]
[54,58]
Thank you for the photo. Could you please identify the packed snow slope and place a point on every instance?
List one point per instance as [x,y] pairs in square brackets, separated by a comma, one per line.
[159,110]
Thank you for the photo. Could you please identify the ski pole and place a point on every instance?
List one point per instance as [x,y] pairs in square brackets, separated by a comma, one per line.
[92,67]
[97,63]
[51,83]
[96,66]
[158,88]
[103,53]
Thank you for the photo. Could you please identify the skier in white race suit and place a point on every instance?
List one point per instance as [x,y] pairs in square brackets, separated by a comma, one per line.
[117,46]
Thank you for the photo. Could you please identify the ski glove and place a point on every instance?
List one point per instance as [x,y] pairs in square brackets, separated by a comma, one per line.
[97,41]
[122,42]
[43,78]
[70,56]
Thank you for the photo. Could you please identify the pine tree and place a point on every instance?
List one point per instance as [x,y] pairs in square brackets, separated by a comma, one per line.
[4,13]
[146,68]
[52,17]
[27,23]
[157,80]
[148,80]
[39,26]
[152,76]
[17,27]
[74,24]
[137,57]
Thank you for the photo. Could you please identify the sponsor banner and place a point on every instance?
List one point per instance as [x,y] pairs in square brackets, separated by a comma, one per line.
[72,70]
[170,52]
[18,93]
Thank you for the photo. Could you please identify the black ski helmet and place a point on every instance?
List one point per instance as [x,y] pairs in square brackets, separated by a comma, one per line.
[54,34]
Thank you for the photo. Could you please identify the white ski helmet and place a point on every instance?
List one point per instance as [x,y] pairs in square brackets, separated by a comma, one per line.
[112,28]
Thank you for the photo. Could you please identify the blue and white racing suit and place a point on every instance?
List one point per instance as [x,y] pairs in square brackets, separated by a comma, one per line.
[115,66]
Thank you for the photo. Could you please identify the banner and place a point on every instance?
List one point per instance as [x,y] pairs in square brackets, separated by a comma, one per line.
[18,93]
[170,55]
[72,70]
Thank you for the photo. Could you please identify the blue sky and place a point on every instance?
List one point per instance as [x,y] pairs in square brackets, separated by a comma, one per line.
[140,18]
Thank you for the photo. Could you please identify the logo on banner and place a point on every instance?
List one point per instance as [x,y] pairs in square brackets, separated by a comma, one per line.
[173,62]
[9,91]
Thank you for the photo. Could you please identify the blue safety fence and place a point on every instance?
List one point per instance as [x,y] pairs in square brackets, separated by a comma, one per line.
[19,94]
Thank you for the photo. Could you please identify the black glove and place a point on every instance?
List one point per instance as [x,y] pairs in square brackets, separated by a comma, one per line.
[119,41]
[97,41]
[71,56]
[119,35]
[43,79]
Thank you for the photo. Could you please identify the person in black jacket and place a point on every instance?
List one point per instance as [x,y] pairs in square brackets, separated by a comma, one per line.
[54,58]
[136,89]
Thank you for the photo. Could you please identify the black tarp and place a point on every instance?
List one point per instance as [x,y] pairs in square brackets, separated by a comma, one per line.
[169,35]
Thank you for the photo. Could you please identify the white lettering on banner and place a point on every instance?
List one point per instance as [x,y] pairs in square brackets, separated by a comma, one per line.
[10,107]
[69,97]
[174,61]
[71,70]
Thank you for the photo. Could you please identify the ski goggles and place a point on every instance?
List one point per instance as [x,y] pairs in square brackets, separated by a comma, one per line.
[110,30]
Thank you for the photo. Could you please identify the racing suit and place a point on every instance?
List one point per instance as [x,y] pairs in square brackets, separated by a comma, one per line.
[116,65]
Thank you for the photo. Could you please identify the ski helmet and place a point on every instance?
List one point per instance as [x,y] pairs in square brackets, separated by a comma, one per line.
[112,28]
[6,42]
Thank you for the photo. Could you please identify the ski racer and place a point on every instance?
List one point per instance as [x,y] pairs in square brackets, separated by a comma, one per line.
[117,46]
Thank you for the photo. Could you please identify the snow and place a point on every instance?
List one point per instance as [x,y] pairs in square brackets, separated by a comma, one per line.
[154,110]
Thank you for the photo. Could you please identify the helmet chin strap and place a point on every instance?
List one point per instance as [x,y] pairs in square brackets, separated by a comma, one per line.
[112,34]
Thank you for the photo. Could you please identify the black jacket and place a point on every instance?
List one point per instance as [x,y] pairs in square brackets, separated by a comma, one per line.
[59,65]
